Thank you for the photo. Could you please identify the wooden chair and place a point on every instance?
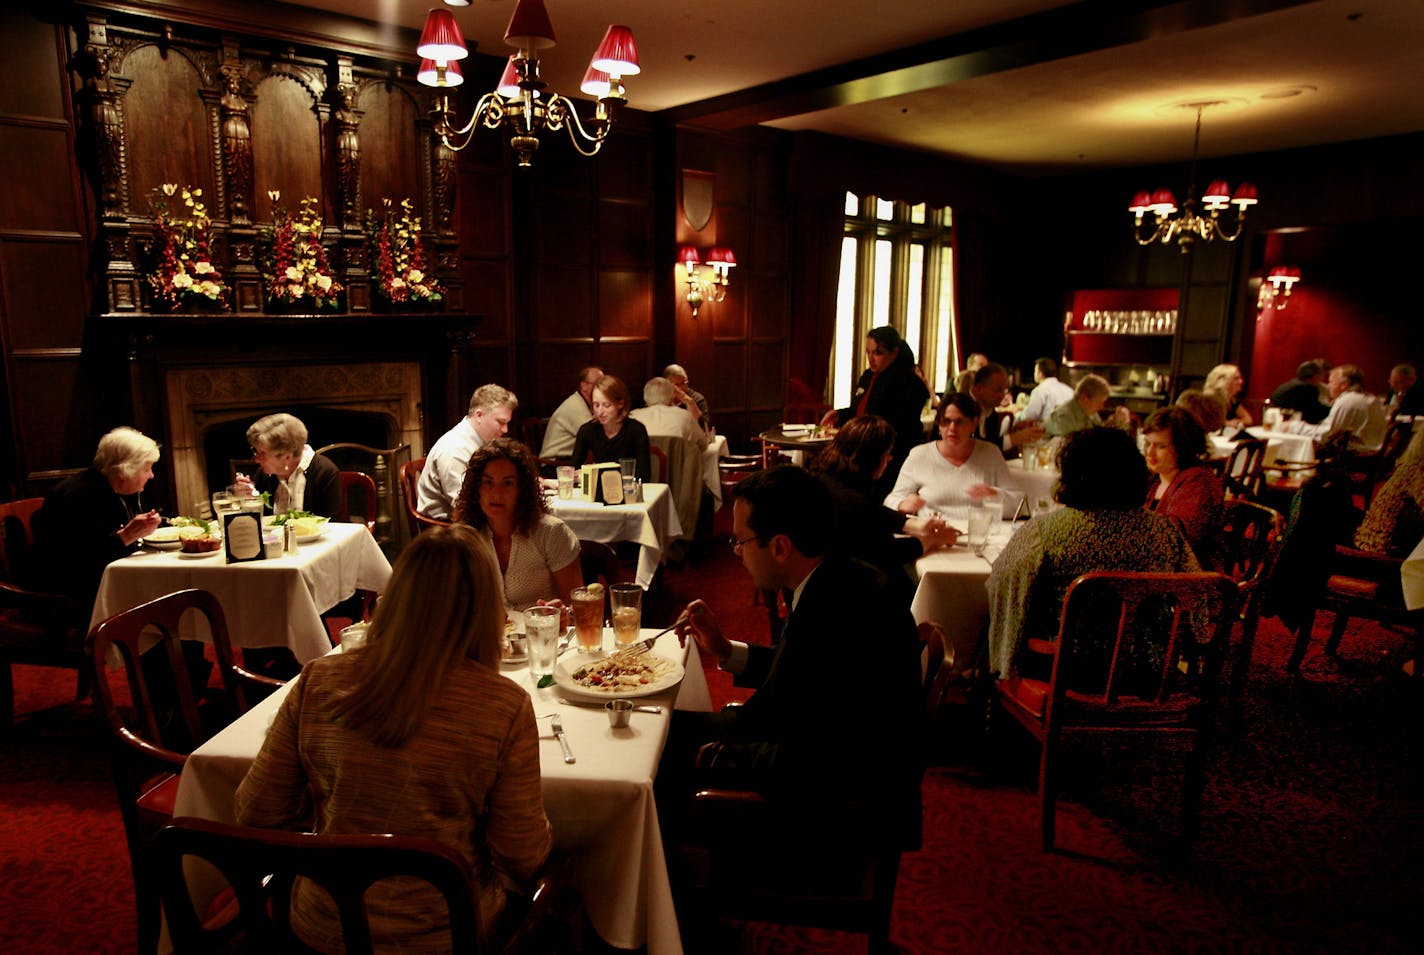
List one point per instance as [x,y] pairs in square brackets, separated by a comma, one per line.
[1358,584]
[409,480]
[36,628]
[261,865]
[1251,541]
[599,562]
[939,672]
[364,489]
[152,733]
[1241,473]
[659,461]
[531,430]
[1129,661]
[382,465]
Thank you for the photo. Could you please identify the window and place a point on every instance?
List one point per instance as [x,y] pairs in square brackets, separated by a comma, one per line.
[897,268]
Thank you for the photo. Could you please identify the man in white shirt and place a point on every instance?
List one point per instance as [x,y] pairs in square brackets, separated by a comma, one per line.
[1352,411]
[491,408]
[1048,394]
[663,417]
[575,412]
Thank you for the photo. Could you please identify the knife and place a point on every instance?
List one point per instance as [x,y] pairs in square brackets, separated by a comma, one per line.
[636,709]
[558,727]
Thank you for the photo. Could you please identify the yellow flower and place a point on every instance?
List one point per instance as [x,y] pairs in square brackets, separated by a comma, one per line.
[323,282]
[182,280]
[203,268]
[415,276]
[397,283]
[294,273]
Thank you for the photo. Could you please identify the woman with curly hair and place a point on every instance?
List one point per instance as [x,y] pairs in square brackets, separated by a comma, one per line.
[866,529]
[538,553]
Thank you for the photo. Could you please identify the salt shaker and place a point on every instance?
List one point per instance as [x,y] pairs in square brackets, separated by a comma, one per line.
[289,536]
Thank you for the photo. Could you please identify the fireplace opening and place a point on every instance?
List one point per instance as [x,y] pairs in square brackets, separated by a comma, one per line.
[225,447]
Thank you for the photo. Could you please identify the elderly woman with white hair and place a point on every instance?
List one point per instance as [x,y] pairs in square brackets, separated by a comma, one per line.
[1225,383]
[96,516]
[297,478]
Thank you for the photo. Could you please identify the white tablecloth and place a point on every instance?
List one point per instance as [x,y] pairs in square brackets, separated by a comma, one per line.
[1284,447]
[601,806]
[951,592]
[1411,578]
[1034,484]
[267,603]
[652,523]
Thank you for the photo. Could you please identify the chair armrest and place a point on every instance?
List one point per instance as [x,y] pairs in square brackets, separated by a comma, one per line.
[1365,564]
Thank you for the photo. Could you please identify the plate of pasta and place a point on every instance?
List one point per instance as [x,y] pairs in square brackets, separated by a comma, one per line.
[619,674]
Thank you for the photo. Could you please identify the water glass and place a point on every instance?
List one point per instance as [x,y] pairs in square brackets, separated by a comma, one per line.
[541,629]
[1030,456]
[982,518]
[627,601]
[630,490]
[568,477]
[628,467]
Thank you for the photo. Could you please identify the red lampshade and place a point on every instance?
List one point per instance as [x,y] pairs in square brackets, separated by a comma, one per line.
[508,86]
[529,27]
[441,39]
[721,256]
[1163,202]
[430,75]
[1140,203]
[1245,195]
[1217,195]
[595,83]
[688,256]
[617,55]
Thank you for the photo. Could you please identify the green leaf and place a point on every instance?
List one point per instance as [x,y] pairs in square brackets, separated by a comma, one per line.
[546,680]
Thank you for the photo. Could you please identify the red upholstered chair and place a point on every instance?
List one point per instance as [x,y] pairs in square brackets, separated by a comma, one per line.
[153,730]
[1359,584]
[1128,660]
[36,628]
[261,866]
[359,485]
[409,479]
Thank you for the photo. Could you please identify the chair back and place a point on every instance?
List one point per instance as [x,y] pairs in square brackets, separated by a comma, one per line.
[19,540]
[359,484]
[1242,472]
[1124,633]
[939,670]
[599,562]
[261,866]
[409,481]
[532,431]
[659,461]
[1251,542]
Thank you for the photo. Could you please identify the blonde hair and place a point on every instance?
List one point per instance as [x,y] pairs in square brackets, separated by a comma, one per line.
[279,433]
[444,604]
[125,451]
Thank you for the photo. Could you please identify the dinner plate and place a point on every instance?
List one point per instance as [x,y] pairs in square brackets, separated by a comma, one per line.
[564,678]
[308,538]
[200,554]
[165,538]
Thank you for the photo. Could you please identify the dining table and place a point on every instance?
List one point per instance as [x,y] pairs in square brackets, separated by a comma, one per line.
[1282,447]
[951,591]
[600,806]
[1035,483]
[652,523]
[276,602]
[800,442]
[711,473]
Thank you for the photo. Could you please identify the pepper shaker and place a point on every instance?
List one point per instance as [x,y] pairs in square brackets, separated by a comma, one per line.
[289,536]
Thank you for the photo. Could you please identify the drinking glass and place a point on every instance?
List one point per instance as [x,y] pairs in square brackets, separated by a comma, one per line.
[1045,454]
[982,517]
[588,618]
[630,490]
[1030,456]
[628,467]
[627,603]
[222,504]
[541,628]
[567,479]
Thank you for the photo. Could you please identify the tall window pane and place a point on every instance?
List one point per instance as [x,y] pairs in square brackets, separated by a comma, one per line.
[852,206]
[914,313]
[884,209]
[844,351]
[917,213]
[946,348]
[880,304]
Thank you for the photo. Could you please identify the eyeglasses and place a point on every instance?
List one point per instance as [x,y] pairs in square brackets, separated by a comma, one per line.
[738,542]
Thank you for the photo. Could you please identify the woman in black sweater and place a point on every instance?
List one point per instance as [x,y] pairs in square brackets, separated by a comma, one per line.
[889,388]
[612,435]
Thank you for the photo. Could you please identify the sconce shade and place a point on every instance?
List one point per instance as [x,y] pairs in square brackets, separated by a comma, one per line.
[1245,195]
[441,39]
[508,86]
[529,26]
[430,75]
[719,255]
[595,83]
[688,256]
[617,55]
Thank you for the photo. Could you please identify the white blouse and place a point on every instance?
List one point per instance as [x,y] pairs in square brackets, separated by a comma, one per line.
[943,485]
[534,559]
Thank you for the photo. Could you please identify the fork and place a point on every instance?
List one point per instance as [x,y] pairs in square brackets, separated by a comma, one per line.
[643,646]
[557,724]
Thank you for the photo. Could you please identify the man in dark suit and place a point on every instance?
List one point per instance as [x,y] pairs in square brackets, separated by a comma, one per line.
[991,386]
[829,733]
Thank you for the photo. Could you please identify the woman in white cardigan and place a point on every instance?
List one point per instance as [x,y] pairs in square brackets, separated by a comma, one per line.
[952,472]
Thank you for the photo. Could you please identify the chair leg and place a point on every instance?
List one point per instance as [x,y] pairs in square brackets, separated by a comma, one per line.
[1048,788]
[1337,630]
[1240,671]
[1302,643]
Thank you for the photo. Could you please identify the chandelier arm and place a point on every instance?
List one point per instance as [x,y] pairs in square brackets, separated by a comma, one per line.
[563,115]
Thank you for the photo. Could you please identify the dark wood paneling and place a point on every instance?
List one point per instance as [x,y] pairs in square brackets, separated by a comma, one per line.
[286,146]
[391,153]
[55,420]
[625,304]
[43,314]
[29,70]
[487,294]
[167,127]
[728,317]
[628,360]
[766,374]
[625,235]
[563,303]
[483,213]
[36,168]
[769,246]
[624,165]
[563,230]
[769,304]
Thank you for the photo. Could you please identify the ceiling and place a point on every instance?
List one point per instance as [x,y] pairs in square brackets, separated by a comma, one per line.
[1027,86]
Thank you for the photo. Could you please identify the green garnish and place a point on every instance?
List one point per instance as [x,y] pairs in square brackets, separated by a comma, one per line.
[546,680]
[192,522]
[291,516]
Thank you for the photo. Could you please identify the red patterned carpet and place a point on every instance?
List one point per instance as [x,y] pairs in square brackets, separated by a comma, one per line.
[1312,825]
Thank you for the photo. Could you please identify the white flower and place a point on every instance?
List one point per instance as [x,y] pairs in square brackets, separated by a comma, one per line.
[294,273]
[203,268]
[397,283]
[182,280]
[415,276]
[323,282]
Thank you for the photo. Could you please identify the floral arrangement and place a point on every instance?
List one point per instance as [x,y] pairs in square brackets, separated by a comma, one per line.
[296,266]
[400,257]
[185,270]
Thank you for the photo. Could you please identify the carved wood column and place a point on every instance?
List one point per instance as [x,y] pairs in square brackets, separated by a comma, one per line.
[245,275]
[102,99]
[347,122]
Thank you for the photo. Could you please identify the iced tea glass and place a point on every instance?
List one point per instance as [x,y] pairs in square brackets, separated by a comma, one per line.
[588,618]
[627,603]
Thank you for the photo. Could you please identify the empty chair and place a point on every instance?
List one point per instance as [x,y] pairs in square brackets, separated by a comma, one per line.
[154,729]
[261,866]
[36,628]
[357,488]
[1241,474]
[1251,543]
[598,563]
[1128,660]
[409,479]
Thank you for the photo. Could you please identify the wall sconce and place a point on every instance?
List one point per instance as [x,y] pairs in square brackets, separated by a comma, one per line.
[1276,288]
[701,286]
